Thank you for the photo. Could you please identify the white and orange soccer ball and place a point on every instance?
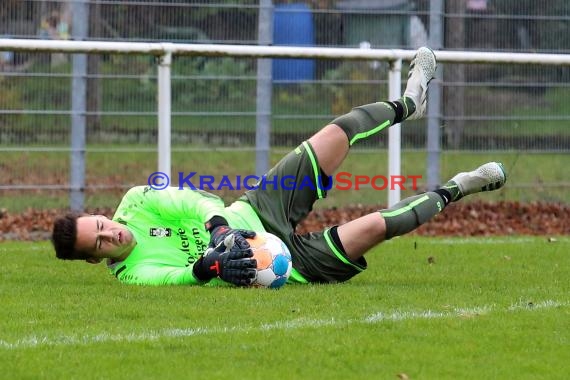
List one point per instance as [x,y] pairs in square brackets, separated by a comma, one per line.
[273,260]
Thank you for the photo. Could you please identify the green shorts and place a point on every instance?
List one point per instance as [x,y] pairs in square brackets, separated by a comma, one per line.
[283,199]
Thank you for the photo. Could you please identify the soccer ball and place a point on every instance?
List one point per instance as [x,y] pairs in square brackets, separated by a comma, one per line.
[273,260]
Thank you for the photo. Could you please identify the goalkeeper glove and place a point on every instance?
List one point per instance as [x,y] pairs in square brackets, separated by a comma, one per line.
[219,230]
[227,261]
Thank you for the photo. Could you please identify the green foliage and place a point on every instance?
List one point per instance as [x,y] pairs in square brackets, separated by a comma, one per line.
[178,20]
[483,309]
[549,33]
[10,98]
[300,99]
[212,82]
[355,83]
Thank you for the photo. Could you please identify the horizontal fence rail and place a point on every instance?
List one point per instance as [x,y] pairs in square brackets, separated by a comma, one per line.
[255,51]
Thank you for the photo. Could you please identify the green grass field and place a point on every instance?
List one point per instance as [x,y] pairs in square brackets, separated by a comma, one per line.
[483,309]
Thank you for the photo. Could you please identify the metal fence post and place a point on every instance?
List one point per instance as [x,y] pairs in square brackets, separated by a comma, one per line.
[164,110]
[264,91]
[80,10]
[434,105]
[394,133]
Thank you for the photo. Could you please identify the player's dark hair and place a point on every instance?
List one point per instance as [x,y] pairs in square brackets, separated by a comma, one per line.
[64,237]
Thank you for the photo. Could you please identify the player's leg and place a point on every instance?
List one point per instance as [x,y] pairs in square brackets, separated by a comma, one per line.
[358,236]
[331,144]
[319,157]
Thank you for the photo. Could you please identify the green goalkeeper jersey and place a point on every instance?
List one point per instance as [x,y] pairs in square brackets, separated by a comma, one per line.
[168,226]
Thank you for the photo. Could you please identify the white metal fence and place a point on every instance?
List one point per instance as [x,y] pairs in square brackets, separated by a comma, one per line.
[164,54]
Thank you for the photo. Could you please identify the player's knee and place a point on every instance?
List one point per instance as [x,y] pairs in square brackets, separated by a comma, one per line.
[365,120]
[353,122]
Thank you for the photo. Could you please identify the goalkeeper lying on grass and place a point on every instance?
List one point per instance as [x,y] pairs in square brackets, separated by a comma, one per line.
[176,236]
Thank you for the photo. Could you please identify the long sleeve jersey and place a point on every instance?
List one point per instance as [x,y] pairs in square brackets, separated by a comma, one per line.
[168,226]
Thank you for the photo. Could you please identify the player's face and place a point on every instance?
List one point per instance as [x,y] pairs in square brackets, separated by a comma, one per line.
[102,238]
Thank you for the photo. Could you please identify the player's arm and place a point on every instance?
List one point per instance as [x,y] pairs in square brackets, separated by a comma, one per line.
[226,261]
[232,263]
[172,203]
[230,266]
[148,274]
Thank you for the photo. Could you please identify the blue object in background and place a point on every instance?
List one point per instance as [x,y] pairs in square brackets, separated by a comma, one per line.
[293,26]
